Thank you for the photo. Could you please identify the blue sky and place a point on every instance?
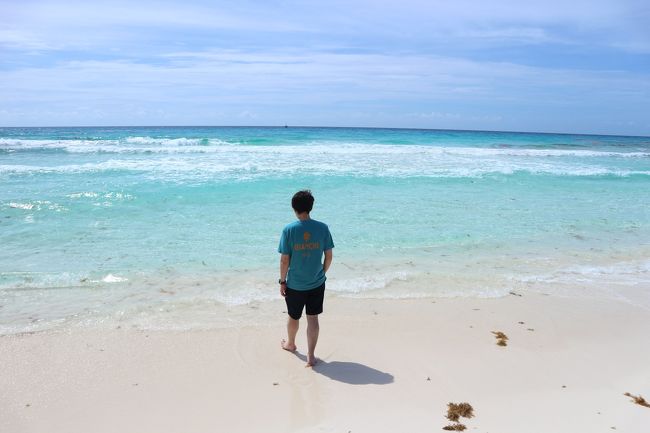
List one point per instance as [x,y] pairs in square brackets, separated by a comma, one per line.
[551,66]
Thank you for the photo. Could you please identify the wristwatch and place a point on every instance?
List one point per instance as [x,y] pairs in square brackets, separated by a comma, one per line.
[281,281]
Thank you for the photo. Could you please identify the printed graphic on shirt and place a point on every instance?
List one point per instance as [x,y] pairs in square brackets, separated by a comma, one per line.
[306,245]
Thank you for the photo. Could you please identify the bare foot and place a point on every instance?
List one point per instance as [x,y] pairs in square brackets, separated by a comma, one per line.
[311,361]
[286,346]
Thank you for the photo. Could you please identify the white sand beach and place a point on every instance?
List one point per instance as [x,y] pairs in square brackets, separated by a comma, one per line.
[386,366]
[476,173]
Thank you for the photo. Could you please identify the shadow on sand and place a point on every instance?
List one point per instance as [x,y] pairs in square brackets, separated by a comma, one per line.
[350,372]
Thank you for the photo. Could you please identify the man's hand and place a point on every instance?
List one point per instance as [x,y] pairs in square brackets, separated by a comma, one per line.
[328,260]
[283,289]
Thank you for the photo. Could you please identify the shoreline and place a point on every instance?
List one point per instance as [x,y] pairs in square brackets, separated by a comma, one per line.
[193,300]
[387,365]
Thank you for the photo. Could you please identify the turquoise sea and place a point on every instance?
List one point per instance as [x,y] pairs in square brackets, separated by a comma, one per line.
[163,226]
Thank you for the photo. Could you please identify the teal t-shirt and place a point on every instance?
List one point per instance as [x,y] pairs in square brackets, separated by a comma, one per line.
[305,241]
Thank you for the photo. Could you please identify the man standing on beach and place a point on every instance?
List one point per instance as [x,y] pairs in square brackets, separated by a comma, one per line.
[302,274]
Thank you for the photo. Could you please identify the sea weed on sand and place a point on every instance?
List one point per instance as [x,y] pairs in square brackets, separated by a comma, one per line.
[457,410]
[638,399]
[501,338]
[454,412]
[455,427]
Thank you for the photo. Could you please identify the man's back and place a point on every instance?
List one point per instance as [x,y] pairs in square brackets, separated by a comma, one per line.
[305,241]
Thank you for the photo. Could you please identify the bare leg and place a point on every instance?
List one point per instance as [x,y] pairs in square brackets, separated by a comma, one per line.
[312,338]
[292,329]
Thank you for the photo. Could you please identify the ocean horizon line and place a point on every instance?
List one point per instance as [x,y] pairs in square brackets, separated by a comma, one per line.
[287,126]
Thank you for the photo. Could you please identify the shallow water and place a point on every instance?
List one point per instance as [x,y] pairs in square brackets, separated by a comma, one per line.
[99,225]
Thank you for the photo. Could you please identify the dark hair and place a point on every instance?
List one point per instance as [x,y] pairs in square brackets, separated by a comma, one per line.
[302,201]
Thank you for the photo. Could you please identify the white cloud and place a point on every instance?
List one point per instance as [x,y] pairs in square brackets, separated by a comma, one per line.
[93,25]
[46,25]
[21,40]
[179,62]
[250,86]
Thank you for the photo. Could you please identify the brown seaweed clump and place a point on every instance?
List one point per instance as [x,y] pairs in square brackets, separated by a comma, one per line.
[454,412]
[455,427]
[501,338]
[638,399]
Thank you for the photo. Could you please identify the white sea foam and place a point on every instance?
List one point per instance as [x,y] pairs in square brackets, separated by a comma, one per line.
[179,170]
[624,273]
[198,159]
[356,285]
[626,281]
[116,196]
[248,162]
[214,145]
[37,205]
[83,194]
[245,173]
[110,278]
[127,145]
[178,142]
[25,206]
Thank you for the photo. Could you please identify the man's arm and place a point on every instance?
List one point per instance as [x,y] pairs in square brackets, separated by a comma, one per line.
[284,268]
[328,260]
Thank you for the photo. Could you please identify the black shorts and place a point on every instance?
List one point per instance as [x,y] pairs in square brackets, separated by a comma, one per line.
[311,299]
